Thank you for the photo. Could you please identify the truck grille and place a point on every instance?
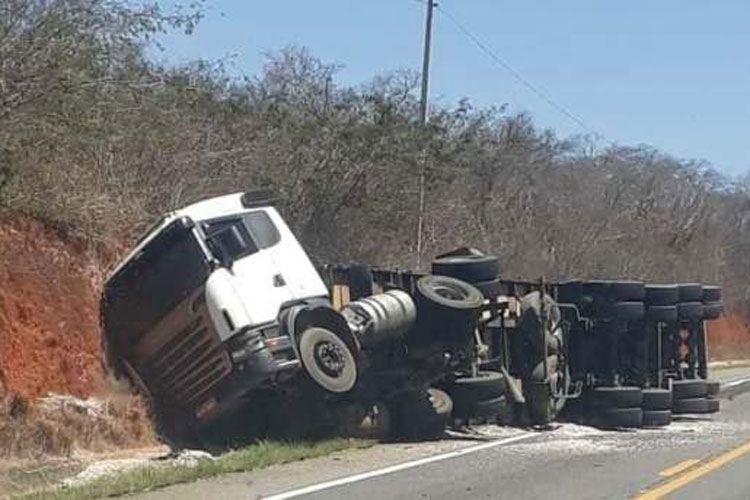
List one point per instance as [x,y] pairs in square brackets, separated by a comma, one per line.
[188,364]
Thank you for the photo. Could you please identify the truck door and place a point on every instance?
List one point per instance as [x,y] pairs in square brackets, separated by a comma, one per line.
[254,273]
[293,266]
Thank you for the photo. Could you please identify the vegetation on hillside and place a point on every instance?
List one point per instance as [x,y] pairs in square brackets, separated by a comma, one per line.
[97,140]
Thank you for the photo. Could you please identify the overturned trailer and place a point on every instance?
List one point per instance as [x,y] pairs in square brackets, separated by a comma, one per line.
[611,353]
[218,314]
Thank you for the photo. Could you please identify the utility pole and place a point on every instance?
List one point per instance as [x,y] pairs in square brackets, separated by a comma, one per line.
[425,106]
[424,110]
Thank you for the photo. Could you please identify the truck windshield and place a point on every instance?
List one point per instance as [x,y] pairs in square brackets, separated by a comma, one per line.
[162,275]
[232,238]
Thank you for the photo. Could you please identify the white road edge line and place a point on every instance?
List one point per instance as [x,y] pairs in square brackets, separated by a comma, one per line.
[396,468]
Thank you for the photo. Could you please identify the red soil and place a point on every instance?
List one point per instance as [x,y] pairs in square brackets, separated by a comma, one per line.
[729,338]
[49,332]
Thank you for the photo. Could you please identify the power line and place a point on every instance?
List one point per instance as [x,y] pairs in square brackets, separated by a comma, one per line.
[515,74]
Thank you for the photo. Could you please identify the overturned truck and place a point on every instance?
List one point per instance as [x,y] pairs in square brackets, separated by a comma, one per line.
[220,319]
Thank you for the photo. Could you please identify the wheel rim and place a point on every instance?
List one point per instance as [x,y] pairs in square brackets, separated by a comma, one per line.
[327,360]
[446,291]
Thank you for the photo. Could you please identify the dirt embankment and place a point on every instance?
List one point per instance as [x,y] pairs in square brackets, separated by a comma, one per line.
[49,334]
[729,338]
[50,343]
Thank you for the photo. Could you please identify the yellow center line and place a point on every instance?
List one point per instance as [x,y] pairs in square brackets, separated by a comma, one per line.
[676,469]
[662,490]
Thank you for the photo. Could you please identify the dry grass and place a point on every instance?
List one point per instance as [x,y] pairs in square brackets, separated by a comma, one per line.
[148,478]
[56,427]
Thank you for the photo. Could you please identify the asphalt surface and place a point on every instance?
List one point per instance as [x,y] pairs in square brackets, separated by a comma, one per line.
[695,457]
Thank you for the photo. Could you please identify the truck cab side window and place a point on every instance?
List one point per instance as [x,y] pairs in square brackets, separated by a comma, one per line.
[229,240]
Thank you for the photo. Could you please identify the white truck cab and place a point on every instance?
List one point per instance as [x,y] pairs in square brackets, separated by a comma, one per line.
[192,314]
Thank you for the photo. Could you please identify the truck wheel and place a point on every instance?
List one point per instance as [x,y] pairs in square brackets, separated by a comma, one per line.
[470,268]
[421,415]
[712,310]
[328,360]
[713,387]
[691,405]
[713,405]
[662,295]
[531,319]
[616,397]
[486,385]
[657,399]
[690,292]
[687,311]
[491,408]
[664,314]
[615,290]
[627,311]
[619,417]
[690,388]
[711,293]
[545,399]
[657,418]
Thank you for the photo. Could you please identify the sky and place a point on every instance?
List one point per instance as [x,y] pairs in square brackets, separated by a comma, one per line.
[673,74]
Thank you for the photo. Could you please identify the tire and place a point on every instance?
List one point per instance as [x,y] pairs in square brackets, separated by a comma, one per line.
[690,292]
[619,417]
[531,318]
[657,399]
[490,289]
[615,290]
[486,385]
[713,387]
[447,308]
[662,295]
[328,360]
[490,408]
[627,311]
[657,418]
[713,405]
[421,415]
[687,311]
[688,389]
[469,268]
[664,314]
[711,293]
[691,405]
[616,397]
[712,310]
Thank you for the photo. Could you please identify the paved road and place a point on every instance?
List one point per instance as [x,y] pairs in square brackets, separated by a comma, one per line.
[693,458]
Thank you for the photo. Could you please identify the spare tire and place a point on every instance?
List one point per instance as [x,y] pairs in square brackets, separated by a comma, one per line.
[687,311]
[447,307]
[470,268]
[711,293]
[712,310]
[662,295]
[690,292]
